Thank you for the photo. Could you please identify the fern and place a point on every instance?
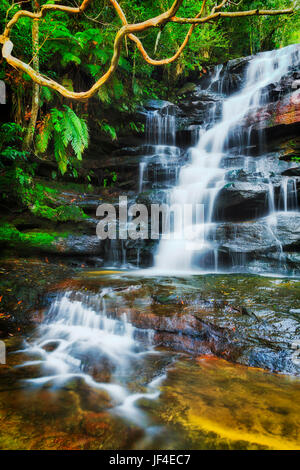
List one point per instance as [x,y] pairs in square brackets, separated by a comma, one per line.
[77,128]
[118,88]
[68,131]
[46,94]
[69,57]
[42,140]
[108,130]
[104,95]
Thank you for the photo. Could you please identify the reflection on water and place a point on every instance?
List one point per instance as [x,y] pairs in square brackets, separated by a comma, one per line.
[203,404]
[216,404]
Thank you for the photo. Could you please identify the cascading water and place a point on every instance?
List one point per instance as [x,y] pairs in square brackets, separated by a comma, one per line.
[81,340]
[162,153]
[201,180]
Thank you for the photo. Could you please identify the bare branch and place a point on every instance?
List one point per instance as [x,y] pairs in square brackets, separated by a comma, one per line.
[218,7]
[227,14]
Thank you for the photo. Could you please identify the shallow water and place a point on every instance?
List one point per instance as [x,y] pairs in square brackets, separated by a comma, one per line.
[117,364]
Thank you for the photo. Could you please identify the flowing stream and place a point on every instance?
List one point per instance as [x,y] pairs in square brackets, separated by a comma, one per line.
[82,340]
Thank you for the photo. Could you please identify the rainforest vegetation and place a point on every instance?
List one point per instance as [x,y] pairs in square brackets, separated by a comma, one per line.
[41,127]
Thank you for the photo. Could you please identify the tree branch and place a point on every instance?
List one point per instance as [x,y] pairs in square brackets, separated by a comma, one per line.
[124,31]
[232,14]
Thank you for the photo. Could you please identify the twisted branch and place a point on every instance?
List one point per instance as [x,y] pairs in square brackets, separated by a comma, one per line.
[127,30]
[140,45]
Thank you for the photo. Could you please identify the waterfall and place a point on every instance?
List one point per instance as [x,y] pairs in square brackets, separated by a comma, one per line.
[161,147]
[160,129]
[200,181]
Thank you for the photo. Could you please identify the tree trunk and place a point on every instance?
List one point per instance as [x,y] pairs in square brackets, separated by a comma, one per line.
[35,103]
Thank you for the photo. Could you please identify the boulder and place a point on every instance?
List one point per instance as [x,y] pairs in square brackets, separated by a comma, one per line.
[277,119]
[292,171]
[241,200]
[77,245]
[276,232]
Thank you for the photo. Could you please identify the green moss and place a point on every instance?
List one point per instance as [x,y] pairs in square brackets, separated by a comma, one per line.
[61,213]
[11,236]
[38,198]
[80,188]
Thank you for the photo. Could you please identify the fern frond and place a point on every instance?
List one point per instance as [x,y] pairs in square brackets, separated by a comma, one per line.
[60,153]
[43,138]
[104,95]
[67,129]
[84,133]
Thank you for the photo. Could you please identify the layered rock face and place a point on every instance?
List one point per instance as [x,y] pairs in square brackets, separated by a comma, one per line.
[243,168]
[246,173]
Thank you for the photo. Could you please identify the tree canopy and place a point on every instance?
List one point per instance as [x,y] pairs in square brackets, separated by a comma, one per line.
[209,13]
[73,47]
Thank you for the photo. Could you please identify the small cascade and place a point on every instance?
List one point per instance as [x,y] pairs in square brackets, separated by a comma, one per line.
[162,154]
[84,339]
[216,81]
[288,198]
[160,128]
[223,146]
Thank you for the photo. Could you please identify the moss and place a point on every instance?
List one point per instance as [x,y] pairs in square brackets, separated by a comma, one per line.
[80,188]
[11,236]
[60,213]
[39,198]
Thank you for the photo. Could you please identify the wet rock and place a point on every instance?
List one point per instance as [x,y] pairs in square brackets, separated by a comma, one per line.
[158,105]
[295,310]
[272,360]
[241,200]
[238,65]
[295,84]
[51,346]
[188,87]
[278,119]
[292,172]
[231,76]
[266,234]
[78,245]
[196,108]
[24,284]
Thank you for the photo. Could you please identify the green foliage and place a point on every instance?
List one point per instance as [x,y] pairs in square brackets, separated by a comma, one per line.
[108,129]
[38,198]
[77,50]
[10,133]
[11,236]
[10,139]
[68,131]
[140,127]
[60,213]
[255,34]
[110,178]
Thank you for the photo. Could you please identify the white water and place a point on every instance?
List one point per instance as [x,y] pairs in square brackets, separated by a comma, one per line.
[161,149]
[201,180]
[81,337]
